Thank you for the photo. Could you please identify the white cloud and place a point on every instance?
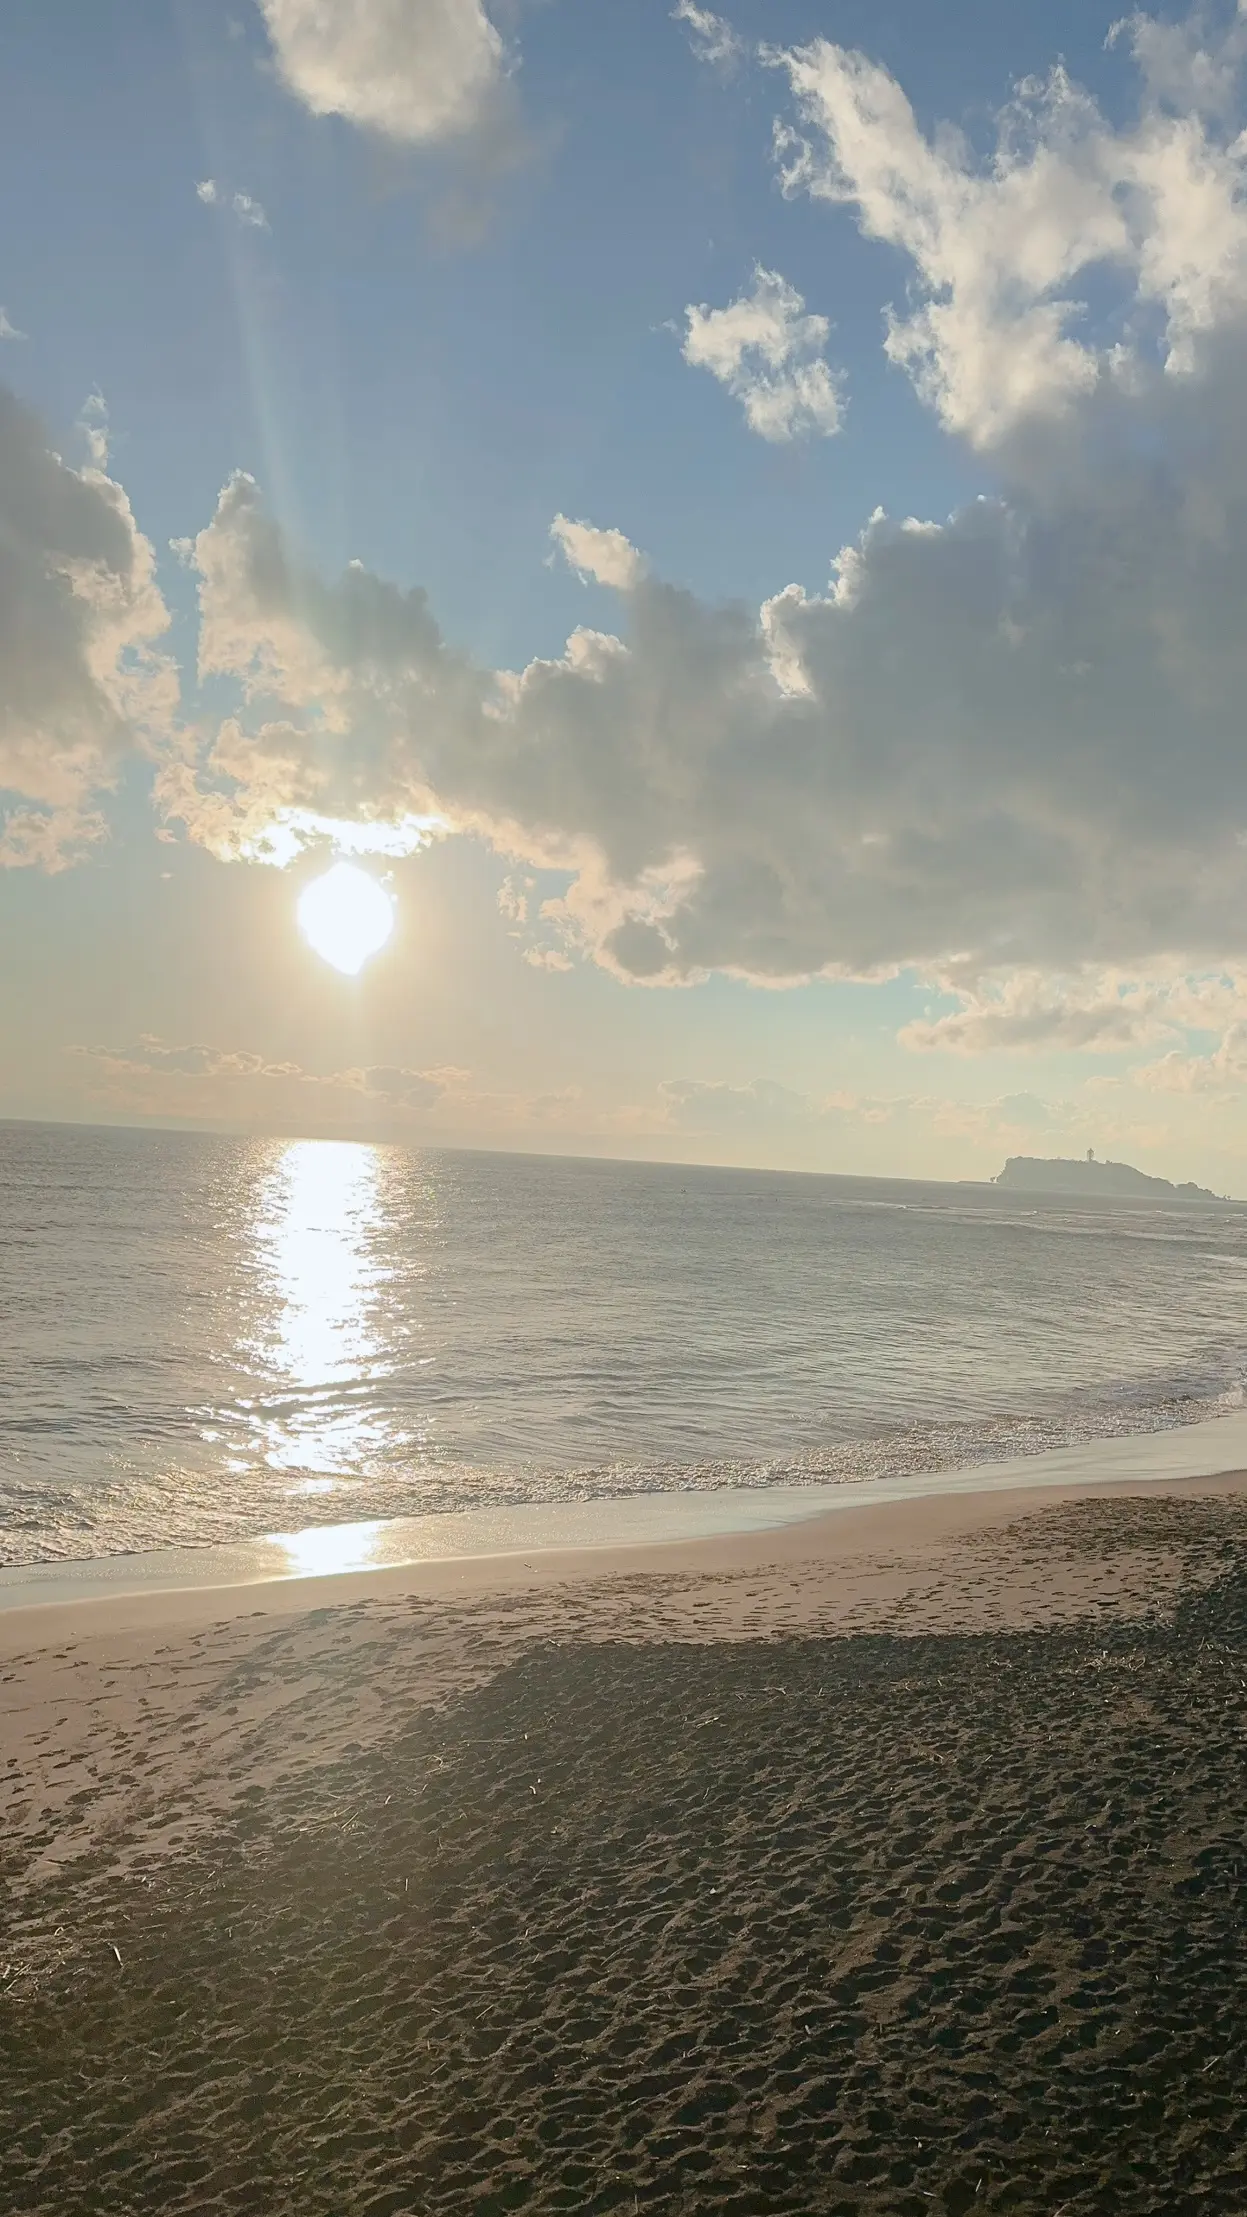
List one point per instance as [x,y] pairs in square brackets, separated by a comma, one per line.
[9,330]
[414,71]
[604,555]
[1002,249]
[1224,1070]
[711,39]
[94,426]
[248,210]
[81,686]
[768,351]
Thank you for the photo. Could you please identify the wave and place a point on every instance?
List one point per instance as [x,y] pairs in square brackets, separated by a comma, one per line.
[131,1514]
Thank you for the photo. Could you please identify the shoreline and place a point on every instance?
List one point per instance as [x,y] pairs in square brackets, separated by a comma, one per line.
[468,1549]
[133,1724]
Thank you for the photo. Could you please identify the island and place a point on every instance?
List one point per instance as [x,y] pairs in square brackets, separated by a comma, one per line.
[1058,1174]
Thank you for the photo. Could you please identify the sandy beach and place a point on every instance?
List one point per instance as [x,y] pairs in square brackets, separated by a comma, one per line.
[893,1861]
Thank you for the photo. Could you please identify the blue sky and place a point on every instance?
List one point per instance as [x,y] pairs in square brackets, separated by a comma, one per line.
[425,340]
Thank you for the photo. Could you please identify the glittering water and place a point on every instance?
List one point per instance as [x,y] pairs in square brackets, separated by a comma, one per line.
[206,1338]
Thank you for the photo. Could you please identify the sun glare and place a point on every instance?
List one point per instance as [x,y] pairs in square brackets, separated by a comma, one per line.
[345,917]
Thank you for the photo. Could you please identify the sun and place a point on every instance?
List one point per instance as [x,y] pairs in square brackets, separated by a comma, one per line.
[345,917]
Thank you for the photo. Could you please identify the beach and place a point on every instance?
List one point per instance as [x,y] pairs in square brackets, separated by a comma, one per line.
[623,1171]
[890,1861]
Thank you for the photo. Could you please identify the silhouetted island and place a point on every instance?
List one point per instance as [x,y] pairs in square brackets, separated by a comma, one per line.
[1057,1174]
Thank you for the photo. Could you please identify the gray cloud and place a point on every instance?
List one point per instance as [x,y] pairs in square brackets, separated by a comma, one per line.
[1036,1014]
[1011,739]
[1098,1013]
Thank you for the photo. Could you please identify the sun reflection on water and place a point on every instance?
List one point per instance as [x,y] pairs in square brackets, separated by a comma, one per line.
[329,1551]
[320,1342]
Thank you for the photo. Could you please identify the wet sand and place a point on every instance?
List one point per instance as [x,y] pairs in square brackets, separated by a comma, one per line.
[892,1863]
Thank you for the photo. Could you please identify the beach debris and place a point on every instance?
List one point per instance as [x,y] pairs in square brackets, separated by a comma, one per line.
[116,1950]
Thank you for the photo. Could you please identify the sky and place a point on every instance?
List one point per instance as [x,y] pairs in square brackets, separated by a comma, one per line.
[737,523]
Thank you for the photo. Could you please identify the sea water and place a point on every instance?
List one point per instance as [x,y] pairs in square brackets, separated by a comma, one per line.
[205,1339]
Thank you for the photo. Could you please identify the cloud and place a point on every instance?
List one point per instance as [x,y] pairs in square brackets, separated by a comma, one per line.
[1047,1015]
[1223,1071]
[604,555]
[1004,249]
[768,351]
[149,1056]
[263,791]
[711,39]
[413,71]
[248,211]
[400,1088]
[514,899]
[9,330]
[158,1077]
[1010,740]
[94,426]
[81,685]
[1004,743]
[1033,1012]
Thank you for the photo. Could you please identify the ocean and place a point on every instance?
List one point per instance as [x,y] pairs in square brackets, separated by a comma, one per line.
[207,1339]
